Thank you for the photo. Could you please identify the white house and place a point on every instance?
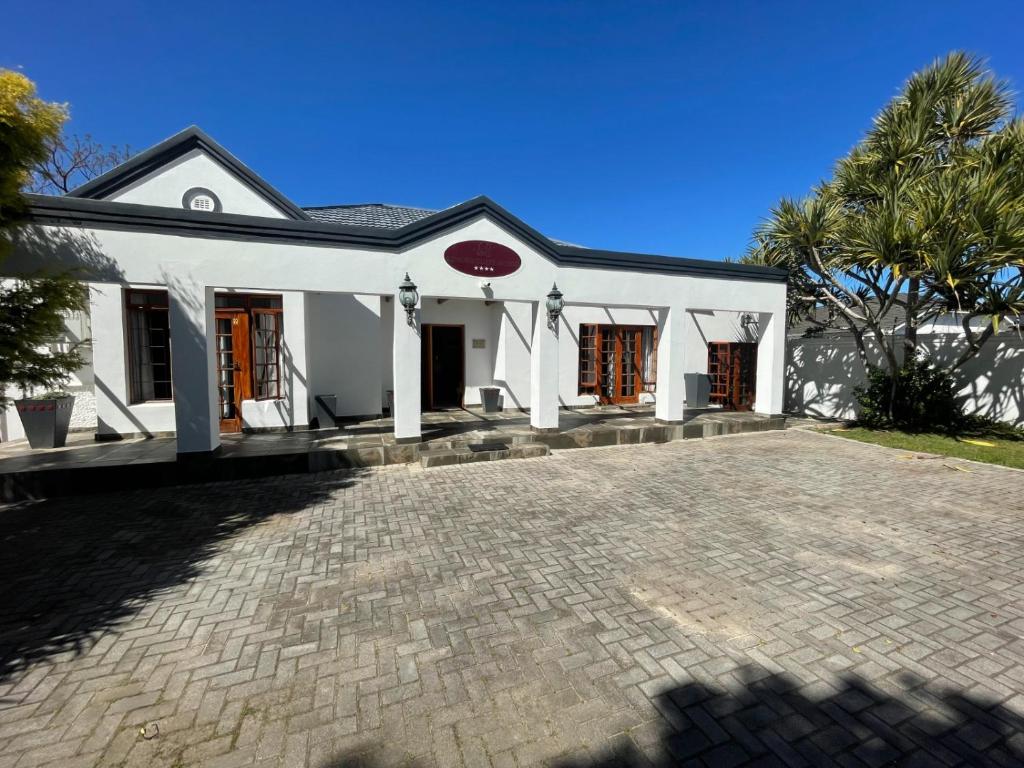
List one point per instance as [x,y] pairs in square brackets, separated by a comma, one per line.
[216,305]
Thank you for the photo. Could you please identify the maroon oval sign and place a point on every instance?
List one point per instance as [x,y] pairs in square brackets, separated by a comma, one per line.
[482,258]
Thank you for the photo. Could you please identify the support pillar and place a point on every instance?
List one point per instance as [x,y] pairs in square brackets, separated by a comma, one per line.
[543,373]
[670,392]
[406,349]
[771,363]
[193,368]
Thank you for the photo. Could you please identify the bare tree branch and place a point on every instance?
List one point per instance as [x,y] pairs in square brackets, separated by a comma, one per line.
[71,161]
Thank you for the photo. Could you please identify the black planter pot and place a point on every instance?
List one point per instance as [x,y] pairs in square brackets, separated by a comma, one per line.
[46,421]
[489,399]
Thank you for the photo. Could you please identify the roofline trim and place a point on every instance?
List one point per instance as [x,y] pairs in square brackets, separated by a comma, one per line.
[106,214]
[154,158]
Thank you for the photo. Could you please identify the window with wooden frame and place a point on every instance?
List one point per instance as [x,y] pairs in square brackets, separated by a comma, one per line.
[149,346]
[263,315]
[266,354]
[588,360]
[617,362]
[649,357]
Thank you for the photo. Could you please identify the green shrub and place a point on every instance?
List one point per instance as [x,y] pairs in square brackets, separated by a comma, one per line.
[925,399]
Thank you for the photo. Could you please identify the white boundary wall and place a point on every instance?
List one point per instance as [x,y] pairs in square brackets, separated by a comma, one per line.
[821,374]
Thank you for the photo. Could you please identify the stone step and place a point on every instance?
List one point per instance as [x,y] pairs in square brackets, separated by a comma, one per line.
[447,456]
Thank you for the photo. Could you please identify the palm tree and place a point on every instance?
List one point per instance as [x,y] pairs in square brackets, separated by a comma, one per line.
[926,213]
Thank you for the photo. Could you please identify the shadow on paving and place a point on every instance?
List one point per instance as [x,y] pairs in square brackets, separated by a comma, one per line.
[770,722]
[73,568]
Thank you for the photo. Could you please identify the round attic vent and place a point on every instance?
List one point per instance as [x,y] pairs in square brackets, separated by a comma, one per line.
[200,199]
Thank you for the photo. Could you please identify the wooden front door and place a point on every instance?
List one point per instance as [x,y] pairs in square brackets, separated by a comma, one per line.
[443,367]
[732,368]
[234,378]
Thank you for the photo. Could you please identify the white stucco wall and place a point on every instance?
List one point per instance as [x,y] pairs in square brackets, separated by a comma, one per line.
[821,375]
[117,416]
[512,353]
[480,321]
[709,326]
[346,352]
[166,187]
[148,257]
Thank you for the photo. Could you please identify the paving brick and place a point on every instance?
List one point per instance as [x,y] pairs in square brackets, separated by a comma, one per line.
[779,598]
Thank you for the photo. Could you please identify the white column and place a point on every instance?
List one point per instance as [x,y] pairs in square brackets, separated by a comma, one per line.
[109,357]
[406,350]
[771,363]
[670,393]
[294,350]
[193,367]
[543,372]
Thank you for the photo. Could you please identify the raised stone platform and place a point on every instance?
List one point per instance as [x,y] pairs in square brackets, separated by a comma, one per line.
[452,437]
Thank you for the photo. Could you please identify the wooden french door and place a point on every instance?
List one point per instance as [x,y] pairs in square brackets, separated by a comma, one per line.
[619,364]
[234,377]
[732,368]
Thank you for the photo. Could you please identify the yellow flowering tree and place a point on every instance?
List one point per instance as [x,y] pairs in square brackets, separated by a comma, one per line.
[32,306]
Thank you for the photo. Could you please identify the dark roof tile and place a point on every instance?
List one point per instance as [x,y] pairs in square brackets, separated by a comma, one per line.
[382,215]
[379,215]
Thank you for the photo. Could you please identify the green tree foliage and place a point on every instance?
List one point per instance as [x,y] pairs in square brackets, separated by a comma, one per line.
[925,214]
[32,307]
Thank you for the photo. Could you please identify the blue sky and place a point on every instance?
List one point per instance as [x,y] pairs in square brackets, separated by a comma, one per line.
[653,127]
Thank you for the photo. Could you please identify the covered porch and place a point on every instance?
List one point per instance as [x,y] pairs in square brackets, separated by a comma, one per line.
[550,361]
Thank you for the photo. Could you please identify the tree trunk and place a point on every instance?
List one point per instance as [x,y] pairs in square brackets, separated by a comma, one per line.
[893,388]
[858,337]
[910,325]
[889,348]
[974,342]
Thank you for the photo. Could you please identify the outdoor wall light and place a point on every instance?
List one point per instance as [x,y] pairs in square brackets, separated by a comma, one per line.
[409,296]
[554,304]
[747,320]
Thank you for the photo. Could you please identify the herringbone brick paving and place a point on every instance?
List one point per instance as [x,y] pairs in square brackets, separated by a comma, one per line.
[779,598]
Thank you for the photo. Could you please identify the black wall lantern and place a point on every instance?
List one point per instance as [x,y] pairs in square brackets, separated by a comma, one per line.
[554,304]
[409,296]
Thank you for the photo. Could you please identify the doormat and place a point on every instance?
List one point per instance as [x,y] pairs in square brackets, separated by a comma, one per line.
[479,447]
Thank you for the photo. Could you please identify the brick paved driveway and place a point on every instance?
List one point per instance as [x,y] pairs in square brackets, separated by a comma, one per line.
[774,598]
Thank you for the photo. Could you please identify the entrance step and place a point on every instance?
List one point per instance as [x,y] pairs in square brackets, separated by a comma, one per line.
[443,456]
[90,467]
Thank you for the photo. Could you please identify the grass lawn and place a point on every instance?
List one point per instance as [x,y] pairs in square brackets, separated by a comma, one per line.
[1007,446]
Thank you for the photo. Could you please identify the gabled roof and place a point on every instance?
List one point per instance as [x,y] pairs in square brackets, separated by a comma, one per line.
[106,214]
[144,163]
[383,215]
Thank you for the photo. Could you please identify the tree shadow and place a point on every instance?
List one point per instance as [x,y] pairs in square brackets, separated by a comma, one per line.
[822,372]
[72,569]
[775,719]
[39,249]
